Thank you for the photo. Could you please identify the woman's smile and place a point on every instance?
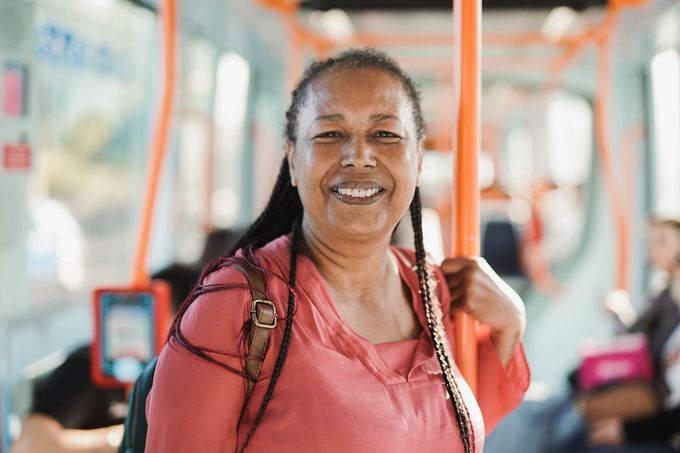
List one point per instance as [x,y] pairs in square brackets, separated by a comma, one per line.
[358,193]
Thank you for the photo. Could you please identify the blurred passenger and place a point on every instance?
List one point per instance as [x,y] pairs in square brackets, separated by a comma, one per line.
[663,251]
[661,431]
[70,414]
[660,322]
[554,425]
[218,243]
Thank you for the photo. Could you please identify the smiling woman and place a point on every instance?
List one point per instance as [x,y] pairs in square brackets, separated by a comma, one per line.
[367,361]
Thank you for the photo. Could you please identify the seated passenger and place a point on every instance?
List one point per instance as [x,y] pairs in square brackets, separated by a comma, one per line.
[70,414]
[660,322]
[554,425]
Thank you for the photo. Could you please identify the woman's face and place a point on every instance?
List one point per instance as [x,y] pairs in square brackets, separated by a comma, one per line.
[357,158]
[664,247]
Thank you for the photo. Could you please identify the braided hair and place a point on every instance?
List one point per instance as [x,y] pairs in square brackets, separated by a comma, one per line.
[283,215]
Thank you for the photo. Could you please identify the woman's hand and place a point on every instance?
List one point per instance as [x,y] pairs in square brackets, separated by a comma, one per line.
[608,431]
[476,289]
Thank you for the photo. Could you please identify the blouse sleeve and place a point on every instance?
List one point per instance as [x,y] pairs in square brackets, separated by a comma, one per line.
[195,405]
[500,388]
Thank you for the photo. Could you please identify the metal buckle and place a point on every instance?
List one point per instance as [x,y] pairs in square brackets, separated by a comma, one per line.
[253,314]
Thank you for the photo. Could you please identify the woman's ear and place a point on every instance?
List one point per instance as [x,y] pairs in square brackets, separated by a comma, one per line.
[290,154]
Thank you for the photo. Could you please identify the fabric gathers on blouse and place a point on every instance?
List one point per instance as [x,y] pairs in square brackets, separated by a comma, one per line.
[338,392]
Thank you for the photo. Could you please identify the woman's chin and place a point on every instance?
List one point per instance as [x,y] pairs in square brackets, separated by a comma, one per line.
[360,226]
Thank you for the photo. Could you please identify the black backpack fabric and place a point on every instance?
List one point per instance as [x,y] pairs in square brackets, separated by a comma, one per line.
[134,438]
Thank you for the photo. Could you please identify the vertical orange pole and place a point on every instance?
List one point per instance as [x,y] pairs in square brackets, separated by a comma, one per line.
[602,120]
[467,19]
[167,12]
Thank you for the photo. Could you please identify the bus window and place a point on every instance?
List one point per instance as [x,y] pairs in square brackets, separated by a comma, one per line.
[231,103]
[520,161]
[93,116]
[666,105]
[570,140]
[194,165]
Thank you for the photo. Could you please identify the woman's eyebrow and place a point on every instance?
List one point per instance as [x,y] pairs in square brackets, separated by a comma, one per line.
[334,117]
[378,117]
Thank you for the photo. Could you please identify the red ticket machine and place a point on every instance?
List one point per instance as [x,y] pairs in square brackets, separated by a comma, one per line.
[130,328]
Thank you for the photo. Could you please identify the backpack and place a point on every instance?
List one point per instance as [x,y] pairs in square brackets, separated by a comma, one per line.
[263,318]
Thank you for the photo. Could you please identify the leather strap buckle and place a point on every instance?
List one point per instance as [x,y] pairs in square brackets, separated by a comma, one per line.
[253,314]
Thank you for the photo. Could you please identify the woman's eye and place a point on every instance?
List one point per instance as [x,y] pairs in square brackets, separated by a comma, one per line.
[386,135]
[329,134]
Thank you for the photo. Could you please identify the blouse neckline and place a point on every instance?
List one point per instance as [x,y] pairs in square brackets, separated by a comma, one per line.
[353,344]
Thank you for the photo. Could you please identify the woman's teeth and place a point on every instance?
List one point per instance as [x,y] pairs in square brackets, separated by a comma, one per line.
[359,193]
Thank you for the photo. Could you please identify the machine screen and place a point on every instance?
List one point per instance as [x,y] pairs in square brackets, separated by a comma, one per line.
[127,334]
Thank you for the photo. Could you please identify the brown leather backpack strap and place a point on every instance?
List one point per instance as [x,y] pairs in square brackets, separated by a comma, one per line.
[263,317]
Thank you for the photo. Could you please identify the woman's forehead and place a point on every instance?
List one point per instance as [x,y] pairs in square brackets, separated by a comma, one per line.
[367,91]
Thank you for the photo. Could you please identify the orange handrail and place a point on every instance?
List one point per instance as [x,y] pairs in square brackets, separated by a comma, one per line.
[602,120]
[168,16]
[468,39]
[601,35]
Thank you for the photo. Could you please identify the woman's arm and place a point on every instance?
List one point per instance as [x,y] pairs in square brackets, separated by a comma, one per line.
[195,405]
[501,384]
[42,433]
[503,372]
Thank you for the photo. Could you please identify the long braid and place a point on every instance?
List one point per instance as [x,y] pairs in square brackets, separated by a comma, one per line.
[436,329]
[283,352]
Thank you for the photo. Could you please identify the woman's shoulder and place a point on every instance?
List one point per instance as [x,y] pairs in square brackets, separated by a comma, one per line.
[269,260]
[217,310]
[221,301]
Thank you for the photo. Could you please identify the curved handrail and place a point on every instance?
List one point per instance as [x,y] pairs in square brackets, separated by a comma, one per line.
[168,16]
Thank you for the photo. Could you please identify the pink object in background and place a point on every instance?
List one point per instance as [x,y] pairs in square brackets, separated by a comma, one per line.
[622,358]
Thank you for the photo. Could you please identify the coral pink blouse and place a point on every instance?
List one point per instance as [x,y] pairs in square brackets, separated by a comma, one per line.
[338,392]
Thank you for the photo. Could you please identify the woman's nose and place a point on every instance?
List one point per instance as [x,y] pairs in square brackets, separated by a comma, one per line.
[357,153]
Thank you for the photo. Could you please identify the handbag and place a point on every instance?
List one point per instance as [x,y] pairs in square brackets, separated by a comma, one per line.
[626,400]
[619,359]
[616,379]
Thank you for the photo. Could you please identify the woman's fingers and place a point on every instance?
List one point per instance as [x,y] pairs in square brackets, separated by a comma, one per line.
[455,264]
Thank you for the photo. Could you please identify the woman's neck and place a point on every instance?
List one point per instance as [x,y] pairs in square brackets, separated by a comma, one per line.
[356,269]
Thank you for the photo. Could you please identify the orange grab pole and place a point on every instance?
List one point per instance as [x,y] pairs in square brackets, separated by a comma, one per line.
[167,12]
[602,120]
[467,23]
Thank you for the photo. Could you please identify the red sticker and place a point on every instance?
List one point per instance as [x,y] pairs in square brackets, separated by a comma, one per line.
[14,82]
[16,156]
